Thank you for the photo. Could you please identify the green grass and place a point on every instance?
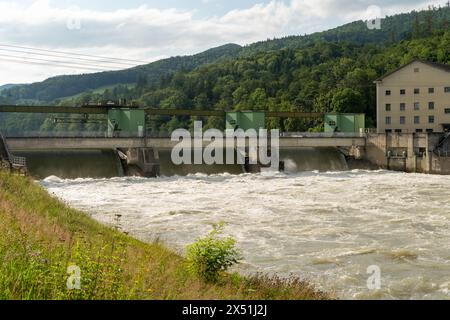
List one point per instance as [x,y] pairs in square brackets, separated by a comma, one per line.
[40,237]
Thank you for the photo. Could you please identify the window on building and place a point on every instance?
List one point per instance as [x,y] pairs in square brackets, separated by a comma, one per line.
[431,105]
[402,120]
[430,119]
[388,130]
[447,89]
[388,120]
[419,130]
[416,119]
[416,91]
[332,123]
[388,107]
[447,110]
[402,106]
[430,90]
[398,130]
[416,70]
[430,130]
[388,92]
[416,106]
[402,91]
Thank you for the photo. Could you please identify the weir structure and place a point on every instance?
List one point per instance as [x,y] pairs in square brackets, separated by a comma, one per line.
[140,154]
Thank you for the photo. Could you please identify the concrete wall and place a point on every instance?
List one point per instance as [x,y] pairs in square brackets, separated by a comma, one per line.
[410,152]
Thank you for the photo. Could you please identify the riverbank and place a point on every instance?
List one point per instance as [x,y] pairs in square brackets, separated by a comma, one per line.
[40,237]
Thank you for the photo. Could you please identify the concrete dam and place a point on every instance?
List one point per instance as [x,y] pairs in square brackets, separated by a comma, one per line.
[150,157]
[107,164]
[126,150]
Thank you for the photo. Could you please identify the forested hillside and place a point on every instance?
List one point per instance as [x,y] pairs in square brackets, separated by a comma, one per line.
[7,86]
[325,76]
[329,71]
[65,86]
[395,28]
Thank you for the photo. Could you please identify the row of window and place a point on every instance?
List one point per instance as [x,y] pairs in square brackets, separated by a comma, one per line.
[431,105]
[417,91]
[417,130]
[403,120]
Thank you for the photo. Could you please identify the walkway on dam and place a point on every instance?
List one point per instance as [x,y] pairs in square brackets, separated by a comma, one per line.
[298,140]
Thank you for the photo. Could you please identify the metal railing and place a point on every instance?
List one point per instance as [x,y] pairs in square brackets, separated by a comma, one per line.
[165,134]
[442,153]
[86,134]
[4,147]
[18,161]
[58,134]
[15,163]
[323,134]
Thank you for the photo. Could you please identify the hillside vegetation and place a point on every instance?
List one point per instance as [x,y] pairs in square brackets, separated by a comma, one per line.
[40,237]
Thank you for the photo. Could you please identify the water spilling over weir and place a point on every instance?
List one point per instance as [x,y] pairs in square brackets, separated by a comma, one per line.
[73,164]
[106,163]
[311,159]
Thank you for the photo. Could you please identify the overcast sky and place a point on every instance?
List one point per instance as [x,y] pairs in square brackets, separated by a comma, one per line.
[149,30]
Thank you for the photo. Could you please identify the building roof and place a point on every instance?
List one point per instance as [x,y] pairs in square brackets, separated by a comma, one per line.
[441,66]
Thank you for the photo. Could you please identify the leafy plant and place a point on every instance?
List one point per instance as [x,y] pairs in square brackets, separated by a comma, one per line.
[212,255]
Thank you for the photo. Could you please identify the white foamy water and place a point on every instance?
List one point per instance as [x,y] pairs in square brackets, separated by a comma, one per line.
[326,227]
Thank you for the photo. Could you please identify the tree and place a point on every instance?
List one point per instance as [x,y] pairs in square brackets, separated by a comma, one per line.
[347,100]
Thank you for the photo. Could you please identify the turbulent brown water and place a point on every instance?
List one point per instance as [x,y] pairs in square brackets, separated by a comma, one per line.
[328,227]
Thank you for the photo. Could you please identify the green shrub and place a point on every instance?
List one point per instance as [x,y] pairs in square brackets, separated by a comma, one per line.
[212,255]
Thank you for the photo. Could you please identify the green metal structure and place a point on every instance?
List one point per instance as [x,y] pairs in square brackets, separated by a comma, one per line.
[344,122]
[245,120]
[126,122]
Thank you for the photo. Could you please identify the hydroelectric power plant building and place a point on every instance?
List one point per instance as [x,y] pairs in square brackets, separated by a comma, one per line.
[414,98]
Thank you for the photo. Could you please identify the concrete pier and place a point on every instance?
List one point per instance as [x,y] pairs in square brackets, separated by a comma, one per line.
[409,152]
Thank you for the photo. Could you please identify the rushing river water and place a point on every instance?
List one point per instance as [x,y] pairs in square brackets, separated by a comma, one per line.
[326,227]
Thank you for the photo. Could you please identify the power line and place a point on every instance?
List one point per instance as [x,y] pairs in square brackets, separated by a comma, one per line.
[56,61]
[51,64]
[73,54]
[125,64]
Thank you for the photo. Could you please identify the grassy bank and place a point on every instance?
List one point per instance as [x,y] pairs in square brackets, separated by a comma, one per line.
[40,237]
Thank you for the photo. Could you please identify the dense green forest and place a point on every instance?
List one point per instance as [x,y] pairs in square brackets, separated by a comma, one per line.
[328,71]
